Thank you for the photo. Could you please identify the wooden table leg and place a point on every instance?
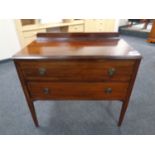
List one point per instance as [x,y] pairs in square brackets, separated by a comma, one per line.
[126,100]
[123,110]
[33,113]
[27,96]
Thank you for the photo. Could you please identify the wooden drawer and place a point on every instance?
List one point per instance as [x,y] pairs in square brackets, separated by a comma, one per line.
[68,90]
[28,34]
[105,70]
[76,28]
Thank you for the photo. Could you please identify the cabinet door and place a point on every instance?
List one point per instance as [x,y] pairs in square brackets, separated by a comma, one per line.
[76,28]
[110,25]
[100,25]
[90,25]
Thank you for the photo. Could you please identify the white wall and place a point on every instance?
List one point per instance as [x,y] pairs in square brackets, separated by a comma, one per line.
[116,25]
[9,43]
[120,22]
[123,22]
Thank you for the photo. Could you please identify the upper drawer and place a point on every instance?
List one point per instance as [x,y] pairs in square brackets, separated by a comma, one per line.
[105,70]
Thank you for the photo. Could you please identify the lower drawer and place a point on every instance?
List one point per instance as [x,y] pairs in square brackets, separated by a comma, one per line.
[77,91]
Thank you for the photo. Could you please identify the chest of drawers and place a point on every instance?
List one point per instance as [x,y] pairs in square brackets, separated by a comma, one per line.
[76,66]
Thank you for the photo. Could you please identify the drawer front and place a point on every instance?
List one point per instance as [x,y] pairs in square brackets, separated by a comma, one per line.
[33,33]
[85,71]
[70,90]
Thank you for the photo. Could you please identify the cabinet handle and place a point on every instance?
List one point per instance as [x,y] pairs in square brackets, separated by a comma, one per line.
[108,90]
[46,91]
[111,71]
[42,71]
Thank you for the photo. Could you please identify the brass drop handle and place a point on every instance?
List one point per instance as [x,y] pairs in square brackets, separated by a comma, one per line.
[42,71]
[46,91]
[108,90]
[111,71]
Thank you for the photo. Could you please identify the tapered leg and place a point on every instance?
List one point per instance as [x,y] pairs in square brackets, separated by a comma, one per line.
[33,113]
[27,95]
[123,110]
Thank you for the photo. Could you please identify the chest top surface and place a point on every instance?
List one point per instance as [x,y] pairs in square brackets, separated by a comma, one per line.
[78,46]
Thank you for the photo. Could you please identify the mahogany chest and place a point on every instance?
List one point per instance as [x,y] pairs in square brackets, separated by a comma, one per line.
[77,66]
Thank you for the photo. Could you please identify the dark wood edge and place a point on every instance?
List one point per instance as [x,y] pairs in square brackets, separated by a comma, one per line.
[77,35]
[43,99]
[69,57]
